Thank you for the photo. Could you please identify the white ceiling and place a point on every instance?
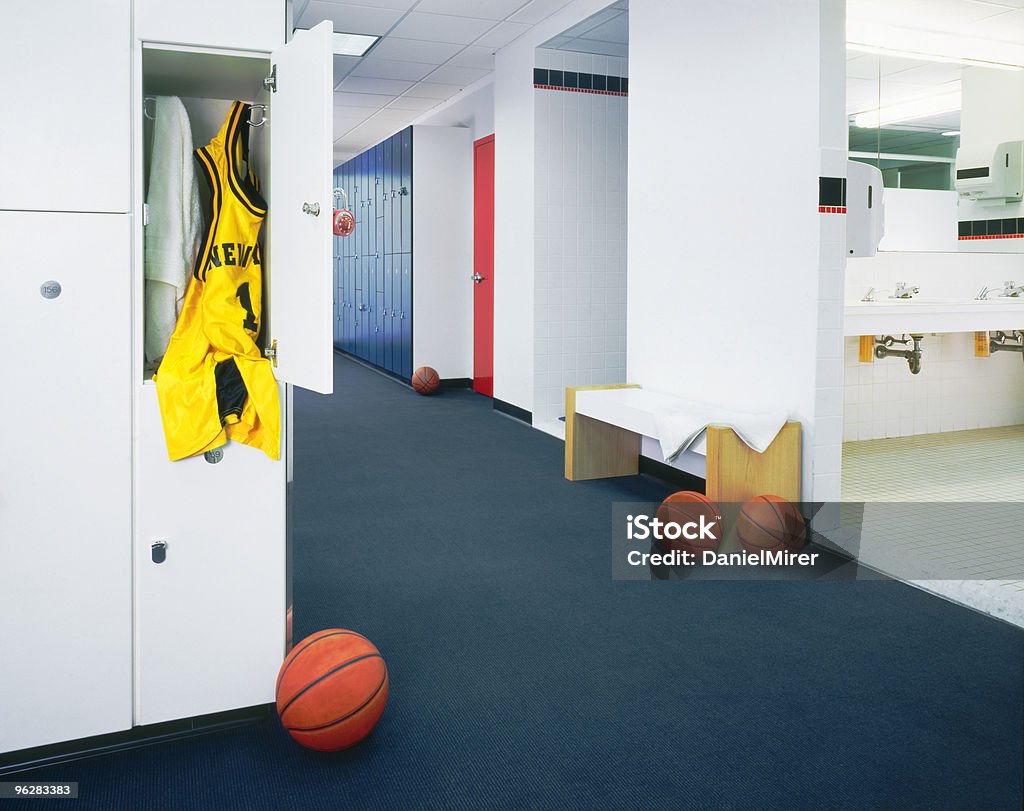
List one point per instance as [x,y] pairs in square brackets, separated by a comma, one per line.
[893,79]
[606,32]
[429,51]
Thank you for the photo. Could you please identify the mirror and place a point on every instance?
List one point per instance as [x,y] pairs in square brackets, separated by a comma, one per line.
[909,115]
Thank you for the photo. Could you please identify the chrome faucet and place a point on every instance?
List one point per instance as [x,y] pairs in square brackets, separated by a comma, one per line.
[870,295]
[983,294]
[902,291]
[1012,289]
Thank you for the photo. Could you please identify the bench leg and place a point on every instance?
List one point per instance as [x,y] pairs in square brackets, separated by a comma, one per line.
[736,472]
[595,449]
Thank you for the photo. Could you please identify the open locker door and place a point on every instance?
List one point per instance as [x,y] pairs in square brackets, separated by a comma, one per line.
[299,234]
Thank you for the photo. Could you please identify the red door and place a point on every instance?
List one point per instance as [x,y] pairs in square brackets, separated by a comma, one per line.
[483,266]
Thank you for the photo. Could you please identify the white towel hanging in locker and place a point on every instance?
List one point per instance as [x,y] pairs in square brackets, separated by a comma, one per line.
[174,226]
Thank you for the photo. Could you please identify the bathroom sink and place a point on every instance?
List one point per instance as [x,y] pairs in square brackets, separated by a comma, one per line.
[922,315]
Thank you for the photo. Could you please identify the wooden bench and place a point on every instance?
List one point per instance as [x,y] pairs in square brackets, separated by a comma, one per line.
[603,436]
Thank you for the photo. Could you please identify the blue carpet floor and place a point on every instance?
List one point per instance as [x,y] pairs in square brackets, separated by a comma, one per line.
[522,676]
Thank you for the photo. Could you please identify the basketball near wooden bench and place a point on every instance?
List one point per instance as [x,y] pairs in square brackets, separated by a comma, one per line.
[425,380]
[770,522]
[331,689]
[685,507]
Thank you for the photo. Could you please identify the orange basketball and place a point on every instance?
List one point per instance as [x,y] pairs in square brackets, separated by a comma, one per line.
[332,689]
[684,507]
[425,380]
[770,522]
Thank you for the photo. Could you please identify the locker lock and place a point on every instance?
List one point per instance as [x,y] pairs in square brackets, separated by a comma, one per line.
[158,551]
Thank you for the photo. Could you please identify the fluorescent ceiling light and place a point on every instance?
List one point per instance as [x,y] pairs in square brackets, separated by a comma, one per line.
[861,47]
[350,44]
[932,46]
[951,133]
[909,110]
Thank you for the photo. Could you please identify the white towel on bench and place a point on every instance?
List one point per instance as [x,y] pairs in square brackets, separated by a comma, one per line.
[680,423]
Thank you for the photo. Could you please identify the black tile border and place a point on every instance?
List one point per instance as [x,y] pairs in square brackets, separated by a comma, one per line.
[513,411]
[456,383]
[831,195]
[579,82]
[1002,228]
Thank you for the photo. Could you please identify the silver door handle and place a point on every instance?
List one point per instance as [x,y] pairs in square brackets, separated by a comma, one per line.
[477,278]
[311,208]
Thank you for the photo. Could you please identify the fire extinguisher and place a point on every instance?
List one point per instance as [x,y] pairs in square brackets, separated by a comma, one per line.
[344,222]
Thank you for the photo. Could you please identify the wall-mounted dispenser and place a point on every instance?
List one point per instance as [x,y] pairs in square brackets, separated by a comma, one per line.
[991,175]
[865,209]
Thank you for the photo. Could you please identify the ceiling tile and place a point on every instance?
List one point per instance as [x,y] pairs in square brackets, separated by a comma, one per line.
[343,125]
[615,30]
[452,74]
[413,103]
[415,50]
[398,5]
[360,100]
[391,69]
[349,18]
[441,28]
[538,10]
[430,90]
[490,10]
[393,116]
[362,84]
[502,34]
[343,65]
[474,56]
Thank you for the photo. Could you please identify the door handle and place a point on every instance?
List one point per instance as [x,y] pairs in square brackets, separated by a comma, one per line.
[158,551]
[477,278]
[311,208]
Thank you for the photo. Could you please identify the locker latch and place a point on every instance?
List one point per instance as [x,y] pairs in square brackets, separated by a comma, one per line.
[158,551]
[271,352]
[270,82]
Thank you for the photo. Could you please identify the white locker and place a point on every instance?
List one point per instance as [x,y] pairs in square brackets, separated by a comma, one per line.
[64,142]
[65,477]
[210,618]
[96,636]
[257,25]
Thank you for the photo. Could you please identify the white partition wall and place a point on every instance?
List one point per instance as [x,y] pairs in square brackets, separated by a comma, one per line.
[726,245]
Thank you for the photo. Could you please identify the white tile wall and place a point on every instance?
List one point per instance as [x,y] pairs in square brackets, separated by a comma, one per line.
[955,391]
[587,63]
[580,236]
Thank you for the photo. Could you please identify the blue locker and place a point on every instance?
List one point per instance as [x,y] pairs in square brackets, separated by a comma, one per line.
[396,310]
[405,192]
[385,202]
[396,200]
[386,313]
[378,311]
[405,315]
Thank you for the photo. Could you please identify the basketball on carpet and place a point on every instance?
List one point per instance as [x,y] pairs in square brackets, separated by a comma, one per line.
[770,522]
[426,380]
[689,506]
[331,689]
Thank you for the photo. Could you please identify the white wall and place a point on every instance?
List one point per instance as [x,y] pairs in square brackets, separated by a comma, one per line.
[472,108]
[580,245]
[955,391]
[514,199]
[919,220]
[938,274]
[443,250]
[726,248]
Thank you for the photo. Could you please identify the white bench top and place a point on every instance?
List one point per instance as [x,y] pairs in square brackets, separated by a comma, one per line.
[632,409]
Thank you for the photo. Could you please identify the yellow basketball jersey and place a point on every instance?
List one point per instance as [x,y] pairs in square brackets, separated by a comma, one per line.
[213,383]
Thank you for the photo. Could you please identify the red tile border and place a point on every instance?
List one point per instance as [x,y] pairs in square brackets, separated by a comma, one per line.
[831,209]
[994,236]
[579,90]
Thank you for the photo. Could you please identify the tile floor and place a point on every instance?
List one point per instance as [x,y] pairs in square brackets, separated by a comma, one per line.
[972,554]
